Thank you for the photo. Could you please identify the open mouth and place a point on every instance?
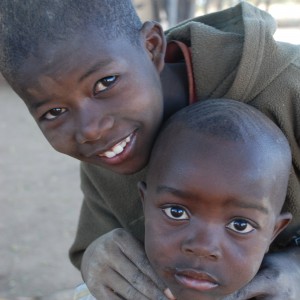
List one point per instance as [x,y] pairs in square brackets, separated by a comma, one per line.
[117,148]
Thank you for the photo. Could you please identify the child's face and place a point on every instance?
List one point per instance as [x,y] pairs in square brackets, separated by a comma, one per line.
[209,214]
[100,102]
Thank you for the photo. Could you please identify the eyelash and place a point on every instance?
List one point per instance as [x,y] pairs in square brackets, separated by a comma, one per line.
[244,222]
[52,111]
[168,212]
[110,81]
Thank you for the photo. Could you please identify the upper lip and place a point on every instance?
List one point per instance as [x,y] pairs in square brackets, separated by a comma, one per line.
[196,274]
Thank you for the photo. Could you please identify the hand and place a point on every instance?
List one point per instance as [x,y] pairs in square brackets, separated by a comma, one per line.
[115,266]
[277,279]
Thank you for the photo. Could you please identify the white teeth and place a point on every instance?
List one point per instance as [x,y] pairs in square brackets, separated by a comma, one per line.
[110,154]
[123,144]
[117,149]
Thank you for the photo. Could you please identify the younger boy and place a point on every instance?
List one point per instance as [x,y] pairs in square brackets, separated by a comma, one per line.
[99,84]
[213,196]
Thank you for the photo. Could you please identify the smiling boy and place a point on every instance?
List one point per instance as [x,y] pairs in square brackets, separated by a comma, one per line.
[100,84]
[70,102]
[213,196]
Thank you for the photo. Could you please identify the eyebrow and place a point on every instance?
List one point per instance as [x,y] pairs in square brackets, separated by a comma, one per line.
[94,69]
[243,204]
[89,72]
[36,105]
[161,189]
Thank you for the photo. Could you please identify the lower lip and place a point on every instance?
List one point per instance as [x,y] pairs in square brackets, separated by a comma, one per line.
[196,284]
[121,157]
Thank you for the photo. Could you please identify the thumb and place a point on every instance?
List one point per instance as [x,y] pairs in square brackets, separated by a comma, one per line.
[169,294]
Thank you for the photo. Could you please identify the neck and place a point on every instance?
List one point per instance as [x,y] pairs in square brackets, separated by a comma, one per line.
[175,88]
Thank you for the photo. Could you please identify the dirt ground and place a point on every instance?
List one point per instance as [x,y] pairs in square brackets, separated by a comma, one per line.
[39,205]
[40,200]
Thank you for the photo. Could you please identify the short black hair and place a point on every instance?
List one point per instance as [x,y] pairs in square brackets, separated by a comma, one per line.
[227,119]
[233,121]
[25,23]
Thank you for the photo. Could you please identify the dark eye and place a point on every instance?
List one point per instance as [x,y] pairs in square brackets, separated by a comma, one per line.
[240,226]
[54,113]
[104,83]
[176,213]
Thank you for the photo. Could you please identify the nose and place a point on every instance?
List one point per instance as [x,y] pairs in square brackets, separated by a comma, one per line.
[203,243]
[92,125]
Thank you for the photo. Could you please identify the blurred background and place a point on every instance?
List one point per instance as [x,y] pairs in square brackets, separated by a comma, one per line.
[40,196]
[171,12]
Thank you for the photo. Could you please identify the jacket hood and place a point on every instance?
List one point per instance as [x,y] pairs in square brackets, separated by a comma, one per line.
[234,51]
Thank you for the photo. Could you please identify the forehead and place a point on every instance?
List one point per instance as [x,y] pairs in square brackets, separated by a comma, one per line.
[78,52]
[180,146]
[188,160]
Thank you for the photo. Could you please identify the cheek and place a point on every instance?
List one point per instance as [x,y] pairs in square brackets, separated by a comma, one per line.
[150,90]
[150,107]
[61,140]
[242,266]
[160,255]
[157,245]
[154,245]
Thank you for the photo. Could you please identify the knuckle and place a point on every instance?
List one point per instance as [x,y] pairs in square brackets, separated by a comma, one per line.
[137,278]
[143,262]
[131,293]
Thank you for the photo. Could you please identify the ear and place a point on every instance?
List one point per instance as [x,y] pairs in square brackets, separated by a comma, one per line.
[142,187]
[282,222]
[155,43]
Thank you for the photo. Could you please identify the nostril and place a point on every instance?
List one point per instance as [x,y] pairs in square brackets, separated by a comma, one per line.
[202,248]
[94,130]
[87,134]
[84,139]
[189,251]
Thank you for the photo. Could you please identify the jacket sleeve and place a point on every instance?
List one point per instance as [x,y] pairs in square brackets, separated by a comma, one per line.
[110,201]
[95,218]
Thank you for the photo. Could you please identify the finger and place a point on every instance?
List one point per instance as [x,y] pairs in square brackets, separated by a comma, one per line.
[130,279]
[125,290]
[116,287]
[110,295]
[137,257]
[105,293]
[140,278]
[169,294]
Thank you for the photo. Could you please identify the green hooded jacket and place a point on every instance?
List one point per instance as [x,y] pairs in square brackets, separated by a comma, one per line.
[234,56]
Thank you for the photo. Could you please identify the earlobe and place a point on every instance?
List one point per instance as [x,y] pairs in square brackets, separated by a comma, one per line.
[155,43]
[282,222]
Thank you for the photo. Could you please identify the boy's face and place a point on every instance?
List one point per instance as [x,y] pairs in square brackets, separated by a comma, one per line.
[209,214]
[98,101]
